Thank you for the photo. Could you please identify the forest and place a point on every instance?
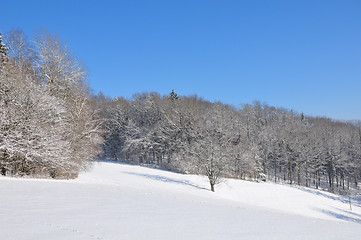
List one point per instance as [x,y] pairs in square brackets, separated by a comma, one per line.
[52,125]
[253,141]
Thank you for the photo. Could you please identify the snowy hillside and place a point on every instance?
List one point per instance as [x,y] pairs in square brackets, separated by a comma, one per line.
[118,201]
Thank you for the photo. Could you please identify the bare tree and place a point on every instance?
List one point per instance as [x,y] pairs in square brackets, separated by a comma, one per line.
[57,66]
[64,75]
[212,145]
[21,51]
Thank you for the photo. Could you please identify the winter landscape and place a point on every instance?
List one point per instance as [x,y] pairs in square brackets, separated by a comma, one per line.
[120,201]
[180,120]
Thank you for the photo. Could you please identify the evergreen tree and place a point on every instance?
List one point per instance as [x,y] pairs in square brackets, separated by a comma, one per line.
[173,95]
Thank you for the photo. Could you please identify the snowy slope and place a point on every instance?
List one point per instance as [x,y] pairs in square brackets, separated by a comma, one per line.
[119,201]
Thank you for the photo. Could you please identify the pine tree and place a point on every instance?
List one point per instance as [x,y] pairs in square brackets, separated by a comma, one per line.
[173,95]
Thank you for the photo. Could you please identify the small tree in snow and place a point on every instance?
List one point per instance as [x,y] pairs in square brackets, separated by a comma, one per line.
[213,143]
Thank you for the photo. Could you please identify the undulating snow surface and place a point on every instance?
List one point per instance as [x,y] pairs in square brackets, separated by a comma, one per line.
[119,201]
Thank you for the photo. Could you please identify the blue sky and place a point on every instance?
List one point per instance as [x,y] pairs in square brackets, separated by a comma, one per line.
[298,54]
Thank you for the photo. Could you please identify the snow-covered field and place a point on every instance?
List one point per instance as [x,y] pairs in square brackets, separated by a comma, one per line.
[119,201]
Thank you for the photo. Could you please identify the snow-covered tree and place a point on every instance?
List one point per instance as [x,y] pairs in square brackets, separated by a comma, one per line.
[115,112]
[64,75]
[49,124]
[21,52]
[33,126]
[3,51]
[211,147]
[57,67]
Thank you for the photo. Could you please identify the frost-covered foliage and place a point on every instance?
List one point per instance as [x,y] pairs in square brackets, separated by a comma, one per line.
[257,142]
[34,127]
[43,133]
[3,52]
[3,47]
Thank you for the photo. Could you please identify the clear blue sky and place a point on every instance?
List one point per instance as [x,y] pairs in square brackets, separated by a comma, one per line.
[298,54]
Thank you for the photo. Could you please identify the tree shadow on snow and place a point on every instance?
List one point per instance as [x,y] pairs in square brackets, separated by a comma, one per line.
[340,215]
[167,180]
[356,215]
[355,200]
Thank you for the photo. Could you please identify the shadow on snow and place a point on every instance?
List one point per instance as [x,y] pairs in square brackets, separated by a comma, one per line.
[167,180]
[355,200]
[341,215]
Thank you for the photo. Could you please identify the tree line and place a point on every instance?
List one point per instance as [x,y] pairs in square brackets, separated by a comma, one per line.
[49,126]
[253,141]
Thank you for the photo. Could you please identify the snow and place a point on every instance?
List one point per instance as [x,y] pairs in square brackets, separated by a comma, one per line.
[119,201]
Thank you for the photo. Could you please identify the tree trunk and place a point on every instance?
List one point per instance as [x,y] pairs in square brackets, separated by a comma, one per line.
[355,178]
[3,171]
[337,182]
[290,173]
[169,157]
[331,176]
[330,181]
[275,174]
[212,186]
[298,176]
[319,179]
[284,174]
